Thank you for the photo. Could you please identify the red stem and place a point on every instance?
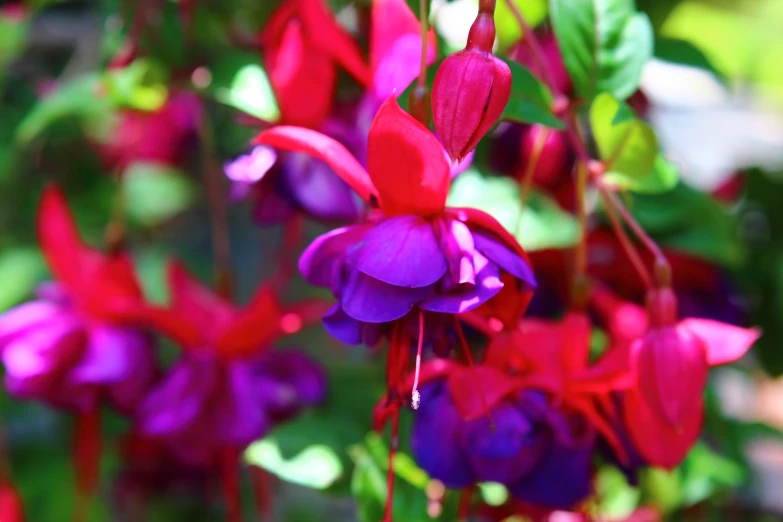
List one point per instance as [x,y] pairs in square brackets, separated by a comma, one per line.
[229,478]
[463,510]
[629,248]
[87,460]
[262,489]
[529,37]
[395,442]
[634,225]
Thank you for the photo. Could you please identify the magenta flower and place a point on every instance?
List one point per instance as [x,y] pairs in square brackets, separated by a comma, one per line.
[227,389]
[471,89]
[71,347]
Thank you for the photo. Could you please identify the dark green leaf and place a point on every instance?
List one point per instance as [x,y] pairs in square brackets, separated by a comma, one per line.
[684,53]
[605,44]
[80,99]
[531,100]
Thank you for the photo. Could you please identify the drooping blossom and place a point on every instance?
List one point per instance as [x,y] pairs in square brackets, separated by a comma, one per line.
[227,389]
[76,345]
[471,89]
[303,45]
[163,137]
[73,345]
[414,254]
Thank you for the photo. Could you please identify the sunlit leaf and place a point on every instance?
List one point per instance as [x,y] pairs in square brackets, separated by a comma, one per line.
[20,270]
[251,93]
[316,467]
[605,44]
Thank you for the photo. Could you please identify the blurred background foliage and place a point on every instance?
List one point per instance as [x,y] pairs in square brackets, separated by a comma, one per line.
[53,61]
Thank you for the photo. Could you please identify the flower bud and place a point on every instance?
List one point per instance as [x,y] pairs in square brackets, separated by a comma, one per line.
[471,88]
[549,149]
[671,363]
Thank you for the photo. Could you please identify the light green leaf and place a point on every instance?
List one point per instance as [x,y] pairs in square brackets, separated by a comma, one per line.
[508,30]
[543,224]
[20,270]
[155,193]
[531,100]
[138,86]
[605,44]
[251,93]
[79,98]
[627,146]
[316,467]
[663,178]
[618,499]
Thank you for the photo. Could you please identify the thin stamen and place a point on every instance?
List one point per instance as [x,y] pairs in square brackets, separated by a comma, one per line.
[416,396]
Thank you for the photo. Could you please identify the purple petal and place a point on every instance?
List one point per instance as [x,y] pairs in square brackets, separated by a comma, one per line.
[436,438]
[34,361]
[178,401]
[348,330]
[251,167]
[402,251]
[367,299]
[457,243]
[140,365]
[319,191]
[321,261]
[505,447]
[300,372]
[467,297]
[504,258]
[20,319]
[239,416]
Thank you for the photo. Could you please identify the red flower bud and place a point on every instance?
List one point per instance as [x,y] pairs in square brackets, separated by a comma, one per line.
[549,149]
[471,88]
[671,363]
[11,506]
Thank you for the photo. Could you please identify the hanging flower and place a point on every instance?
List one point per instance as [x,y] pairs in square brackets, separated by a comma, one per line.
[303,45]
[414,254]
[227,389]
[74,345]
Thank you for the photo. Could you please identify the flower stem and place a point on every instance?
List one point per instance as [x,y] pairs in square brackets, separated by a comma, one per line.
[619,231]
[218,214]
[116,230]
[229,477]
[395,442]
[634,225]
[526,181]
[424,23]
[529,37]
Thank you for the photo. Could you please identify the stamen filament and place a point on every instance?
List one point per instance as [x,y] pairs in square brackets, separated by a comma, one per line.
[415,396]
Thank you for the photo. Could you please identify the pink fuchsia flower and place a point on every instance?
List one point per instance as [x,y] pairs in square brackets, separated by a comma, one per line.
[228,389]
[414,254]
[664,411]
[163,137]
[303,45]
[471,89]
[74,345]
[395,47]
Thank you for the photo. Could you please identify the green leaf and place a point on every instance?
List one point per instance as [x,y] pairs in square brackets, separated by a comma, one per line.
[543,224]
[508,30]
[20,270]
[683,52]
[316,467]
[688,220]
[618,499]
[663,178]
[531,100]
[138,86]
[250,92]
[627,145]
[605,44]
[155,193]
[79,98]
[705,473]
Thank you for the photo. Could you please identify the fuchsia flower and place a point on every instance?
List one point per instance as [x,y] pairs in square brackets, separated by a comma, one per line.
[471,89]
[303,45]
[395,47]
[227,390]
[162,137]
[664,412]
[75,345]
[11,505]
[414,254]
